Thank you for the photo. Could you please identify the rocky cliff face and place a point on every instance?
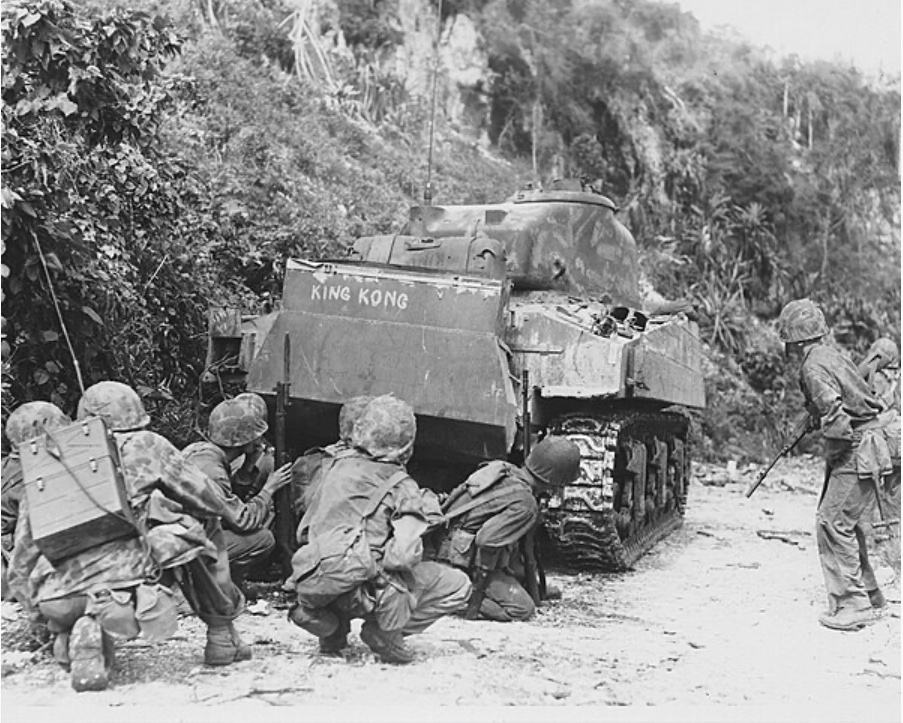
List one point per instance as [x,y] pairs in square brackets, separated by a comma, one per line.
[460,60]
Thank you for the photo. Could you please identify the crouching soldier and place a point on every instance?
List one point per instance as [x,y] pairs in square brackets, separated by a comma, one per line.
[26,422]
[121,588]
[862,445]
[363,556]
[236,427]
[490,514]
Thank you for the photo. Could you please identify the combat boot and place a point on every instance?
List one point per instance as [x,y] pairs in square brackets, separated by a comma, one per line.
[86,654]
[243,651]
[321,622]
[846,619]
[389,646]
[876,597]
[221,648]
[336,642]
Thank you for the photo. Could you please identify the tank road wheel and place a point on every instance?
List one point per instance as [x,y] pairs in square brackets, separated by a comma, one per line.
[631,492]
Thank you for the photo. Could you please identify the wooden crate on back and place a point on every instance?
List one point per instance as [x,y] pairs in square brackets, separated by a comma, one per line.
[76,493]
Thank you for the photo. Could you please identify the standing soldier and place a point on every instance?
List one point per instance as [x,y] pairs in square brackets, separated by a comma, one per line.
[179,514]
[236,428]
[363,558]
[490,513]
[861,444]
[881,369]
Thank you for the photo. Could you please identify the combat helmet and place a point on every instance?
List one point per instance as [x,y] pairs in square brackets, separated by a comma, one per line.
[256,401]
[801,320]
[554,461]
[31,420]
[236,422]
[349,414]
[116,403]
[385,430]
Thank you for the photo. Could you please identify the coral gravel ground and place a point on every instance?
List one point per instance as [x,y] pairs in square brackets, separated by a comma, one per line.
[719,622]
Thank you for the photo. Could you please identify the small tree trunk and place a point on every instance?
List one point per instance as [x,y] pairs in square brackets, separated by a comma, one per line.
[810,126]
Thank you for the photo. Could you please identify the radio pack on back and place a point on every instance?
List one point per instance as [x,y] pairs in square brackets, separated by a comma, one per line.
[76,493]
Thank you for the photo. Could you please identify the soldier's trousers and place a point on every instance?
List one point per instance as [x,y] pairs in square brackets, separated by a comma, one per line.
[506,599]
[247,549]
[409,601]
[843,512]
[207,584]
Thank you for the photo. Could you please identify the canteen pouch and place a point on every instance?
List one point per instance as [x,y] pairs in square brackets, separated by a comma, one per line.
[115,611]
[456,548]
[156,612]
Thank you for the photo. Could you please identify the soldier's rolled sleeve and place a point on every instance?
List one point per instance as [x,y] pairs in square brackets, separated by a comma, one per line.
[247,516]
[404,548]
[237,515]
[826,395]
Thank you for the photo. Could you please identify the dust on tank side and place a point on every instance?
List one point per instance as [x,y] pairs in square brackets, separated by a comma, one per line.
[450,313]
[613,378]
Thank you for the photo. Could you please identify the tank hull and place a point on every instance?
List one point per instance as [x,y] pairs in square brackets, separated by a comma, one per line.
[499,324]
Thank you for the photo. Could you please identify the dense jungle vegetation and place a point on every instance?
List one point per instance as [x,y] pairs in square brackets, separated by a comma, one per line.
[160,156]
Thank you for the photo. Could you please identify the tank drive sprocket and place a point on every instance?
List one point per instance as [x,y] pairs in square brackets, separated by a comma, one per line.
[631,492]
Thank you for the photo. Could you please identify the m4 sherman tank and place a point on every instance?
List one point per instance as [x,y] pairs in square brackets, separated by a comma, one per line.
[498,323]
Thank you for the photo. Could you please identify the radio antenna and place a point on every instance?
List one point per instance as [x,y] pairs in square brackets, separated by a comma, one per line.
[59,313]
[428,191]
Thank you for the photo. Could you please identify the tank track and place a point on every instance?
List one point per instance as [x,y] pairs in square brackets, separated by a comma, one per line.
[632,489]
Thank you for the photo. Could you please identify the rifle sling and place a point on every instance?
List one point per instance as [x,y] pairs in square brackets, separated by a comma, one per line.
[482,499]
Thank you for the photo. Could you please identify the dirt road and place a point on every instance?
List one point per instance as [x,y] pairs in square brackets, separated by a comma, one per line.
[719,622]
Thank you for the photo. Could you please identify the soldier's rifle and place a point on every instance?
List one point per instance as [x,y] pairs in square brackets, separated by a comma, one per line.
[799,431]
[284,523]
[535,578]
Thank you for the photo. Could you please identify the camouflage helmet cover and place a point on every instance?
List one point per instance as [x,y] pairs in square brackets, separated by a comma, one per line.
[256,401]
[884,353]
[801,320]
[385,430]
[555,461]
[236,422]
[349,414]
[31,420]
[116,403]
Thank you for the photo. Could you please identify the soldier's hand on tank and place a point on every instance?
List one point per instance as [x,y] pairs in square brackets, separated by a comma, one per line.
[280,478]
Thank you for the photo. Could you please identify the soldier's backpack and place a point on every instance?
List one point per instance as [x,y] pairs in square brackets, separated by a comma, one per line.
[454,545]
[340,560]
[75,489]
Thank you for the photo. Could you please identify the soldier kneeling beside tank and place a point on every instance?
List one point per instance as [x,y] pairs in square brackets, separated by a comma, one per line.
[489,516]
[123,587]
[363,556]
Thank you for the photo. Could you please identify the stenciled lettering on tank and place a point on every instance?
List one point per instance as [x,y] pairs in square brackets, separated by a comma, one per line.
[384,298]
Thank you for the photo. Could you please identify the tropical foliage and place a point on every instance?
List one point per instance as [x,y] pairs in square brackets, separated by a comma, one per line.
[159,156]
